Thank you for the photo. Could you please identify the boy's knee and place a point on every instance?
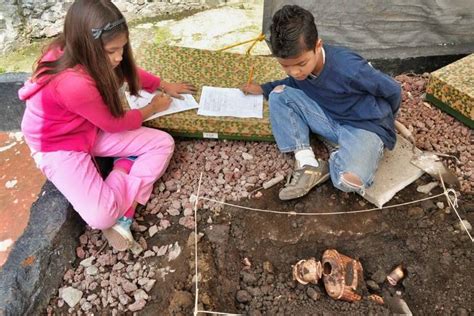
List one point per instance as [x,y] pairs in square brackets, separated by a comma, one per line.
[351,179]
[279,88]
[276,99]
[350,182]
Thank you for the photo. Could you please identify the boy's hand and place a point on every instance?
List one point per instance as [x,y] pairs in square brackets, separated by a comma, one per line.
[251,88]
[160,102]
[175,89]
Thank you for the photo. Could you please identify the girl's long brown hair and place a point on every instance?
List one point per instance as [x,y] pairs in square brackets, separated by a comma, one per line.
[80,48]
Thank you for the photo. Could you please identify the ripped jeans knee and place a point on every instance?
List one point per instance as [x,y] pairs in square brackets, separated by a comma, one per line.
[350,182]
[279,89]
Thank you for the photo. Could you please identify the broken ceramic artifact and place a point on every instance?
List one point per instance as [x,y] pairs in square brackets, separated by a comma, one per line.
[396,275]
[376,298]
[341,275]
[307,271]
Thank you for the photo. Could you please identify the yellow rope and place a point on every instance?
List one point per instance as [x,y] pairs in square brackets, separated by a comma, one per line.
[254,41]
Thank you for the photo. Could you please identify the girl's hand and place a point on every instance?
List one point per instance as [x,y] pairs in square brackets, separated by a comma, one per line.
[160,102]
[175,89]
[251,88]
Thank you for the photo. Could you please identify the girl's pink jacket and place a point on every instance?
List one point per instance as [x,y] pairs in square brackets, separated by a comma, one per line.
[66,111]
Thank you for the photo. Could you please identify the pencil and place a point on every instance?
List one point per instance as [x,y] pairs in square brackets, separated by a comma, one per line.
[250,76]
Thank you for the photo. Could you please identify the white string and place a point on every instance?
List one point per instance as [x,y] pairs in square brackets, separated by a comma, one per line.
[217,313]
[196,310]
[322,213]
[195,248]
[453,202]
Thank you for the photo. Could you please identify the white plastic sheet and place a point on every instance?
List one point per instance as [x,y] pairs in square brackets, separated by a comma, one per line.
[390,29]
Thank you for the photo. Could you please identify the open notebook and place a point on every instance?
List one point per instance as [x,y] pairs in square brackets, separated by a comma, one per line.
[176,106]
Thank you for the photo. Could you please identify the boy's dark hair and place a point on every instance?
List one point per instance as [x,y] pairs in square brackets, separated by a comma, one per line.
[293,31]
[81,47]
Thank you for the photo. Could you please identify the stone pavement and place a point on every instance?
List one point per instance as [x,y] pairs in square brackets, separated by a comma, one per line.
[20,181]
[38,228]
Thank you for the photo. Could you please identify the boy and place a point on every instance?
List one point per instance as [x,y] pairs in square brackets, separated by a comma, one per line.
[334,93]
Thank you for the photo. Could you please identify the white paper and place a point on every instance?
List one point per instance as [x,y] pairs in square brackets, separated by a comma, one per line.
[176,105]
[229,102]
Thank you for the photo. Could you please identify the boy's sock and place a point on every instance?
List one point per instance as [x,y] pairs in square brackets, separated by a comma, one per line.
[124,163]
[305,157]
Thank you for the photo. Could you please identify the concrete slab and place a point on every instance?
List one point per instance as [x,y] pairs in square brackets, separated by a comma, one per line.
[395,172]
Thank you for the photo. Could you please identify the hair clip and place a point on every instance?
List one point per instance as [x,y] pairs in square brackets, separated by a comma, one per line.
[97,33]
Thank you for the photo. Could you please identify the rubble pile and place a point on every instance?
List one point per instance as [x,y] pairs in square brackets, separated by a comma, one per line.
[435,130]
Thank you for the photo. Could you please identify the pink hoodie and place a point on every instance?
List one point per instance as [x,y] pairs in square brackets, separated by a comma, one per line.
[67,112]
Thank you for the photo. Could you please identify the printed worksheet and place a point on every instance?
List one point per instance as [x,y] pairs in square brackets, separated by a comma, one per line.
[229,102]
[177,105]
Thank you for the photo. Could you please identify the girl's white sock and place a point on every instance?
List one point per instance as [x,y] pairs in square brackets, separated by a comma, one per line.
[305,157]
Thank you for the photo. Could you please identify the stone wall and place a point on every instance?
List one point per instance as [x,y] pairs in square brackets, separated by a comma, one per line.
[23,20]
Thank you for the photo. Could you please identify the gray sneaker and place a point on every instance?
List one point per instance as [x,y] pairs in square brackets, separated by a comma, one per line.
[304,179]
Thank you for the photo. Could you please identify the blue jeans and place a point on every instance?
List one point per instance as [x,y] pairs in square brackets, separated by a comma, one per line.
[293,115]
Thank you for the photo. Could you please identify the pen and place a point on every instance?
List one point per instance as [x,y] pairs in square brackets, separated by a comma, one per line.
[163,92]
[250,76]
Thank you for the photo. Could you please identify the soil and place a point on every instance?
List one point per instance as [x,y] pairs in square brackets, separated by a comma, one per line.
[436,254]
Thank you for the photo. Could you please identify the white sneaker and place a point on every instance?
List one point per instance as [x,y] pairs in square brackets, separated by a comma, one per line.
[119,236]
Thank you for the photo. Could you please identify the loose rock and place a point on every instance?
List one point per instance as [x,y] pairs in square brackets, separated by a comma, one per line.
[138,305]
[243,296]
[427,187]
[313,294]
[71,296]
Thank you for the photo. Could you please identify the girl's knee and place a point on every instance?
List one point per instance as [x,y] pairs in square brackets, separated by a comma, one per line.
[103,216]
[167,144]
[160,140]
[169,141]
[101,221]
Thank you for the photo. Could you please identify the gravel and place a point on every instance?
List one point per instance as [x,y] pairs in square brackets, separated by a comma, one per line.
[435,130]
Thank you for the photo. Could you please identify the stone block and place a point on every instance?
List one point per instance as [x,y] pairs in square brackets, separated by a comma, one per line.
[212,68]
[451,89]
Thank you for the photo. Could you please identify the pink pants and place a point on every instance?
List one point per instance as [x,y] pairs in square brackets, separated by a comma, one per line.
[101,202]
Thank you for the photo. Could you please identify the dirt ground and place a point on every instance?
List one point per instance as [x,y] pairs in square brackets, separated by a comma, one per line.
[438,258]
[425,237]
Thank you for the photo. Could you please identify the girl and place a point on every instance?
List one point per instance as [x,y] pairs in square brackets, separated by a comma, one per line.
[74,112]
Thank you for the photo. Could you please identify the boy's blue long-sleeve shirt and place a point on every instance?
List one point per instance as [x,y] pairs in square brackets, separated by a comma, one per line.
[352,92]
